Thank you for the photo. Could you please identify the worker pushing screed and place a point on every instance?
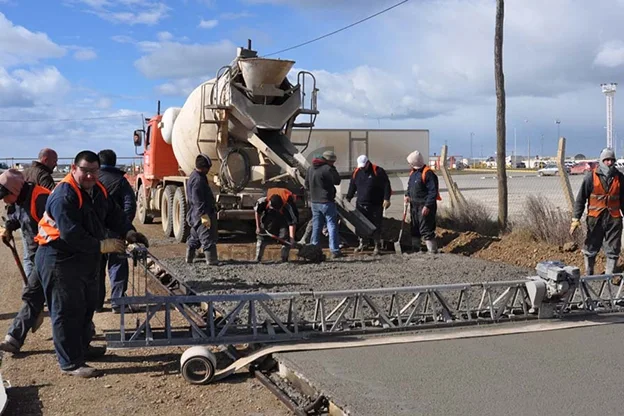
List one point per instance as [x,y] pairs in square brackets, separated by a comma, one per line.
[26,205]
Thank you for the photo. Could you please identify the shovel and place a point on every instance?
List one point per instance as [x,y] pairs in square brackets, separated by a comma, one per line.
[11,245]
[397,244]
[309,252]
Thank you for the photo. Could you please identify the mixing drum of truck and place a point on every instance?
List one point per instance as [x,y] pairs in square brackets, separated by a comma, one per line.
[243,120]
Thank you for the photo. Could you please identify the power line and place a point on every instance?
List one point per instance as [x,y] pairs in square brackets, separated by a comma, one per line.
[69,119]
[339,30]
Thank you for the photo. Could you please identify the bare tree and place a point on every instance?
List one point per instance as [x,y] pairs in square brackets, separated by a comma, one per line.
[500,117]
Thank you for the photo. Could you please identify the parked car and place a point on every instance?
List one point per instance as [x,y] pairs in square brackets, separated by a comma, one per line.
[550,170]
[582,168]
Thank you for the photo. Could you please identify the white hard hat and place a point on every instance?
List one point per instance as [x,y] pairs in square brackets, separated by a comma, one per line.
[361,161]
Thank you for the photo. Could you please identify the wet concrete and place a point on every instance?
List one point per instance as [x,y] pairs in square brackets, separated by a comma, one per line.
[353,272]
[565,372]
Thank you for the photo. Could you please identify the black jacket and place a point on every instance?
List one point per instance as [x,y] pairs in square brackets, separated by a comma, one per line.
[119,189]
[321,180]
[200,198]
[423,193]
[371,184]
[39,174]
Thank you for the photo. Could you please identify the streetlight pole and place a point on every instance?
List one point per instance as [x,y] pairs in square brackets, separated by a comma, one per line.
[515,154]
[529,144]
[542,148]
[558,128]
[471,155]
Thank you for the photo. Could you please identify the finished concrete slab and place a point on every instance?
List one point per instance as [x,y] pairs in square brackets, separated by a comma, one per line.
[564,372]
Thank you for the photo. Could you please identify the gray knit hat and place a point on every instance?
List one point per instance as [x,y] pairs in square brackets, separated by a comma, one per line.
[329,155]
[607,153]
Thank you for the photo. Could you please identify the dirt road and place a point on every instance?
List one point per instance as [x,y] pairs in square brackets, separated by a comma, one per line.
[137,382]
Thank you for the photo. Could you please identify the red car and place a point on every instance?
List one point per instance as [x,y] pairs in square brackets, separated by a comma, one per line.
[582,167]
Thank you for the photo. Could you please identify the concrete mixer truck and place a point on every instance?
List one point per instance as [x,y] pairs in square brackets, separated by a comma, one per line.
[243,119]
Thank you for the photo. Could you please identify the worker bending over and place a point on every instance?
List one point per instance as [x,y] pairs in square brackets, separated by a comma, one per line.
[27,203]
[276,214]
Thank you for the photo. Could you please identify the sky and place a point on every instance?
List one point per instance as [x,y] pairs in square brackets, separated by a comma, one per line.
[79,74]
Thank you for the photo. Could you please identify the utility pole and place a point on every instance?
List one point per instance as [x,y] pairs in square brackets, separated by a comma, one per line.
[515,152]
[526,121]
[542,148]
[471,155]
[609,91]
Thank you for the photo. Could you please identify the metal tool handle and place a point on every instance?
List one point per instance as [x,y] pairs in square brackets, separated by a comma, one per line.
[18,262]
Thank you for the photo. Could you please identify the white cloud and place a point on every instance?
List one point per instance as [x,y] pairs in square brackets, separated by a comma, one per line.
[164,36]
[19,45]
[177,60]
[208,24]
[180,87]
[85,54]
[122,39]
[611,54]
[104,103]
[130,12]
[27,88]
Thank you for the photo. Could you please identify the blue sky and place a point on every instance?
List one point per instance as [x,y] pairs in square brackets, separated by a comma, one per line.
[426,64]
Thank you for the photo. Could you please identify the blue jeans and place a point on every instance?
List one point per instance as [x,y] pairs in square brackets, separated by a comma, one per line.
[70,285]
[321,214]
[28,253]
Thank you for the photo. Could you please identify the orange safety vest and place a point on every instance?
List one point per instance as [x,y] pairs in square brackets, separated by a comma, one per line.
[36,193]
[283,193]
[48,231]
[424,173]
[600,199]
[357,169]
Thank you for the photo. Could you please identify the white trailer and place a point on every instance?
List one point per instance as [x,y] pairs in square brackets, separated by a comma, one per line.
[386,148]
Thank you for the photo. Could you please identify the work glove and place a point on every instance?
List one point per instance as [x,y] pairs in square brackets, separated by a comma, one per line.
[425,211]
[112,245]
[349,200]
[386,204]
[6,234]
[132,237]
[575,224]
[205,220]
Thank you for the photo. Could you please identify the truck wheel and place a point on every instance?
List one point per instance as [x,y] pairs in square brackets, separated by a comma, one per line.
[166,208]
[181,229]
[143,216]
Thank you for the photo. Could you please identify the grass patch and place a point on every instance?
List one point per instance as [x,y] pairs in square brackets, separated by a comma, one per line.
[545,222]
[473,216]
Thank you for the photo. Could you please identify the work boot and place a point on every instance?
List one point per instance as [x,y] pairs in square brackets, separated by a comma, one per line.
[432,246]
[336,255]
[212,259]
[10,344]
[94,352]
[284,252]
[259,251]
[190,255]
[84,371]
[376,249]
[360,248]
[589,265]
[415,244]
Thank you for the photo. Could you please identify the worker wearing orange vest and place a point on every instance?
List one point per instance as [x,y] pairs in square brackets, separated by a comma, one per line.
[372,186]
[26,207]
[602,191]
[72,239]
[277,214]
[422,193]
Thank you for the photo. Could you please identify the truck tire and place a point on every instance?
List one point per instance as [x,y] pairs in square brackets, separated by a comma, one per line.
[166,208]
[181,229]
[142,215]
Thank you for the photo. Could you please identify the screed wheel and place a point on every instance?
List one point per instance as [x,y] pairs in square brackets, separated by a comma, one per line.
[198,365]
